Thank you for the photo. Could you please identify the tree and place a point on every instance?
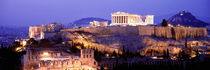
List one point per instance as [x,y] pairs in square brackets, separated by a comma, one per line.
[10,60]
[82,46]
[167,54]
[197,54]
[179,55]
[2,45]
[164,53]
[152,52]
[164,22]
[97,55]
[127,53]
[32,41]
[183,56]
[114,54]
[185,43]
[16,44]
[58,41]
[123,50]
[44,41]
[73,48]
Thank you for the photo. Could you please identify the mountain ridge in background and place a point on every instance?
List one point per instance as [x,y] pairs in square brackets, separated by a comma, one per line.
[185,18]
[85,22]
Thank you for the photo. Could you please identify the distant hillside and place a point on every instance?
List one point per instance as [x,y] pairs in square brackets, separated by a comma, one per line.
[186,19]
[85,22]
[18,32]
[203,18]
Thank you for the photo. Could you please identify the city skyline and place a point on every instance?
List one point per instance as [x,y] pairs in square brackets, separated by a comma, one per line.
[28,12]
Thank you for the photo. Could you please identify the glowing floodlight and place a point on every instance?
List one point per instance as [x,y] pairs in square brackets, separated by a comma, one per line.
[45,53]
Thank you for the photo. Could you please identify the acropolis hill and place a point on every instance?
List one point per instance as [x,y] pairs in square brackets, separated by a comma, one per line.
[135,38]
[135,32]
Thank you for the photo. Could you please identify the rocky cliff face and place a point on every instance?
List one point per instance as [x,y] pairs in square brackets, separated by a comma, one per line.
[186,19]
[142,44]
[138,38]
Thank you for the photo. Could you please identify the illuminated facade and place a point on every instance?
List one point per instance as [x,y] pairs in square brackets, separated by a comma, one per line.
[122,18]
[53,27]
[59,60]
[97,23]
[44,31]
[34,31]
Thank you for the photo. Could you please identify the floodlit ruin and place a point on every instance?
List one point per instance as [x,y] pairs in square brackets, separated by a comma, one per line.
[45,30]
[124,19]
[58,59]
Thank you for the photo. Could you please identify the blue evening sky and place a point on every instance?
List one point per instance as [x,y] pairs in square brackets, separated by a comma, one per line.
[37,12]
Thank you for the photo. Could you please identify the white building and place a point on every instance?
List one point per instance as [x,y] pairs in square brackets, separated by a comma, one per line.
[98,23]
[124,19]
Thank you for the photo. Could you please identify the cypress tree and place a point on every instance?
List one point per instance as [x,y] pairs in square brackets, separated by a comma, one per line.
[114,54]
[123,50]
[2,45]
[167,54]
[164,54]
[164,22]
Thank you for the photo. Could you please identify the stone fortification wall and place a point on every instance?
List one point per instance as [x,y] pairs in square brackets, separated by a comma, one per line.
[146,30]
[164,32]
[126,31]
[185,32]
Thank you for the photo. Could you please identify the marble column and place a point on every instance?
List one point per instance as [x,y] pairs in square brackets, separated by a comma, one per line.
[122,19]
[113,19]
[126,19]
[117,19]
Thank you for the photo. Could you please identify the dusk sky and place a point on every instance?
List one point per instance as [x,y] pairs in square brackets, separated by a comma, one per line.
[37,12]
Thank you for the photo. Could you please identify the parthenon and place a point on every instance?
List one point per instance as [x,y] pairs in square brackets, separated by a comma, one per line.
[122,18]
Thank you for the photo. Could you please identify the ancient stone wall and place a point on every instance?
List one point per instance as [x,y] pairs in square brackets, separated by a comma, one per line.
[146,30]
[127,31]
[185,32]
[164,32]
